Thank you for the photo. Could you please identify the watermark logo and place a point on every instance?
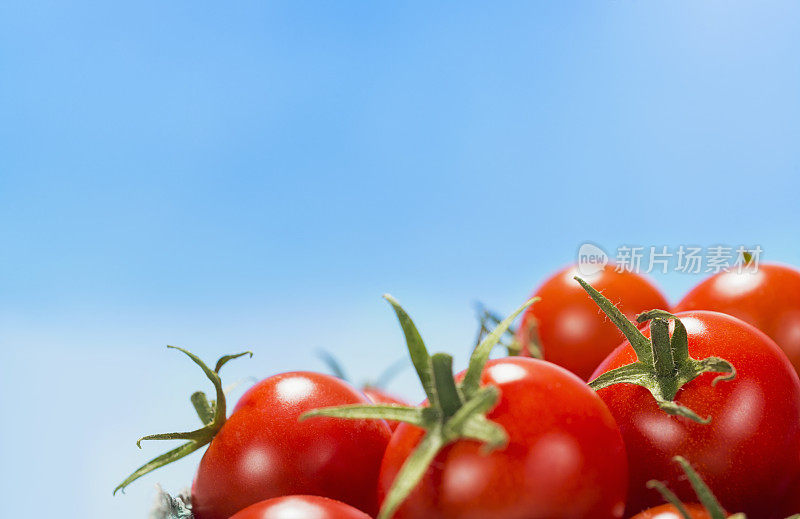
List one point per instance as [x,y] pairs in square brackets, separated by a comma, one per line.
[685,259]
[591,259]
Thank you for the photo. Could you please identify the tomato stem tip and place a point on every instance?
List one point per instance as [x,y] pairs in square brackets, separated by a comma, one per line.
[211,413]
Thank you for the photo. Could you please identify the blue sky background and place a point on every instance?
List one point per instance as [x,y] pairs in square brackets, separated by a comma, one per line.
[225,177]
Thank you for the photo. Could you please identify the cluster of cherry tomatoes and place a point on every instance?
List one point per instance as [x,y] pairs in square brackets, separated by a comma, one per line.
[612,402]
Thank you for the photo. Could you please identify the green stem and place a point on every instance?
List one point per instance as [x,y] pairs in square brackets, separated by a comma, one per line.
[203,408]
[640,344]
[488,320]
[670,497]
[212,414]
[483,318]
[704,494]
[158,462]
[529,331]
[446,391]
[333,365]
[481,353]
[455,411]
[412,471]
[416,347]
[663,363]
[397,413]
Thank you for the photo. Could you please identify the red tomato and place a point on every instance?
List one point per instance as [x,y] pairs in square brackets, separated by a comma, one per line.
[670,512]
[263,451]
[769,299]
[748,454]
[792,503]
[300,507]
[379,396]
[570,331]
[564,459]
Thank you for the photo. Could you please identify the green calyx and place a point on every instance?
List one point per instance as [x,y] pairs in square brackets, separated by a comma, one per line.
[211,413]
[455,410]
[663,363]
[488,320]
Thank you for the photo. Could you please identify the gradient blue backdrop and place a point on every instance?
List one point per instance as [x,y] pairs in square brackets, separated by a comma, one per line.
[246,176]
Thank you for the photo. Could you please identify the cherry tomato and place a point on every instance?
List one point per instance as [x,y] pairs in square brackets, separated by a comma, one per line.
[768,298]
[379,396]
[564,459]
[748,454]
[670,512]
[300,507]
[263,451]
[566,323]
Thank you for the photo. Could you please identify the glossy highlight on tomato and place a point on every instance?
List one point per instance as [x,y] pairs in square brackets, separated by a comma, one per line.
[767,297]
[670,512]
[565,457]
[748,454]
[569,328]
[263,451]
[300,507]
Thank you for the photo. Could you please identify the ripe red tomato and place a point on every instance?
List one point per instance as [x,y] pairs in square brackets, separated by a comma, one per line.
[569,330]
[300,507]
[263,451]
[379,396]
[670,512]
[748,454]
[769,299]
[564,459]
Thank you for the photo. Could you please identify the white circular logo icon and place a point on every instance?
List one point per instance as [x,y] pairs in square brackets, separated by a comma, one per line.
[591,259]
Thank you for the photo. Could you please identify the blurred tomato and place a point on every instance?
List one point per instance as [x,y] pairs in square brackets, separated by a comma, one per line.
[570,329]
[768,298]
